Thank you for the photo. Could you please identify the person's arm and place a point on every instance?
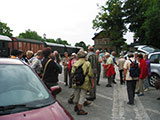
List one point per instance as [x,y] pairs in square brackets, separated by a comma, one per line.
[34,64]
[125,70]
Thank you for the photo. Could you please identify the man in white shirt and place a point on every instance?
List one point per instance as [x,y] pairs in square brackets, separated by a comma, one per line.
[131,82]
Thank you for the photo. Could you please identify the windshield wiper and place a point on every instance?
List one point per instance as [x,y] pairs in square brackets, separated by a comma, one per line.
[2,108]
[10,107]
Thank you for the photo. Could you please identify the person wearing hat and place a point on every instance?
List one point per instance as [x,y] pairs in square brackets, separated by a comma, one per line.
[120,65]
[71,63]
[131,82]
[109,67]
[80,91]
[93,59]
[65,64]
[99,66]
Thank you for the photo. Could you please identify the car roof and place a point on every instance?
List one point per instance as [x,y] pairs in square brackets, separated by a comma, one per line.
[10,61]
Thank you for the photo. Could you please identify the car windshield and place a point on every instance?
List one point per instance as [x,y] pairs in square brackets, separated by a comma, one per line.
[20,85]
[149,49]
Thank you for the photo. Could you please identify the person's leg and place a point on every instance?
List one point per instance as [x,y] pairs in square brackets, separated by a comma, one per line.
[93,90]
[70,80]
[113,78]
[65,75]
[121,76]
[109,82]
[98,77]
[76,98]
[137,87]
[129,91]
[81,101]
[146,84]
[134,87]
[141,90]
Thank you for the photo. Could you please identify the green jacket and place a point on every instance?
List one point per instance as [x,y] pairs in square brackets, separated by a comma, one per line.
[86,68]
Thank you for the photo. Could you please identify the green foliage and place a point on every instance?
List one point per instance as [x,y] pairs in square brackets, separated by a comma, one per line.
[151,24]
[28,34]
[82,44]
[60,41]
[143,17]
[5,30]
[51,40]
[110,19]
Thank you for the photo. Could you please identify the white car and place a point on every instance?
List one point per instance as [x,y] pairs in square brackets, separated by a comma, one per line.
[145,49]
[155,67]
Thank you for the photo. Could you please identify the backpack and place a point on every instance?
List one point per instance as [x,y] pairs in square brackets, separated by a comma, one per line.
[134,69]
[78,77]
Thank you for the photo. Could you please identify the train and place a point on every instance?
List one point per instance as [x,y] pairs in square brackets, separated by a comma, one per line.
[7,44]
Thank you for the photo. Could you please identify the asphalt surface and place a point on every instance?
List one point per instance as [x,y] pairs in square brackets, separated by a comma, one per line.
[111,103]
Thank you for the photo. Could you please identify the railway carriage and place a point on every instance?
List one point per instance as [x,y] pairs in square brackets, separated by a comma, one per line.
[4,49]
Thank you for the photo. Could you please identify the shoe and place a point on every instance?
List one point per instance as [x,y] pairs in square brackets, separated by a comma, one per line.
[70,87]
[130,103]
[81,112]
[70,101]
[108,85]
[98,84]
[140,94]
[76,108]
[147,89]
[86,103]
[137,92]
[91,98]
[158,98]
[114,82]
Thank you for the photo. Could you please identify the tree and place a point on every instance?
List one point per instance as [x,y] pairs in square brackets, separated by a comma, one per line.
[28,34]
[144,20]
[5,30]
[134,16]
[110,20]
[51,40]
[151,25]
[60,41]
[82,44]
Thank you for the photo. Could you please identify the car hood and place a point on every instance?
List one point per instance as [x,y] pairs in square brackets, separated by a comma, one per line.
[52,112]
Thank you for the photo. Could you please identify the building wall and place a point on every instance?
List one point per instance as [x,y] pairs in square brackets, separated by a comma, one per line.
[103,43]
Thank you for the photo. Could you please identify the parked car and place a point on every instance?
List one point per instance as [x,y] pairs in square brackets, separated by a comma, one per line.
[23,96]
[146,49]
[155,67]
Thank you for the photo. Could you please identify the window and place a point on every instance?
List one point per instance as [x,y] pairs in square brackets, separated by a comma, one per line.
[3,44]
[155,58]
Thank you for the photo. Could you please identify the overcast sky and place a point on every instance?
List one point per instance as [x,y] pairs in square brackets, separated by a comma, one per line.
[69,20]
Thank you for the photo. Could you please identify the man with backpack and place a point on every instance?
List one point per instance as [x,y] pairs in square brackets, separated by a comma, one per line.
[82,75]
[93,59]
[130,80]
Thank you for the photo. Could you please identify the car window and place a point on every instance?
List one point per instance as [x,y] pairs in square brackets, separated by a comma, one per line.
[155,58]
[148,49]
[19,85]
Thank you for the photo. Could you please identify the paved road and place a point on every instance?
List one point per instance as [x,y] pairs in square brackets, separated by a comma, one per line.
[111,103]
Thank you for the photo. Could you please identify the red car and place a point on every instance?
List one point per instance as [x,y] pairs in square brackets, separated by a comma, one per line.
[23,96]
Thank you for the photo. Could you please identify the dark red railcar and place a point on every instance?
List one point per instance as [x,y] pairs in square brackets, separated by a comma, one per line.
[26,44]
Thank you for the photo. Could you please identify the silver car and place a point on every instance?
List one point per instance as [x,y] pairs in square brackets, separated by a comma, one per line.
[155,67]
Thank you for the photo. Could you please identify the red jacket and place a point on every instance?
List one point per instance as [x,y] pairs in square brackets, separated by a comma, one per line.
[110,70]
[144,70]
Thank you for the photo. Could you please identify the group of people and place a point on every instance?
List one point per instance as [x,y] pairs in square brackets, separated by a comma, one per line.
[47,66]
[45,63]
